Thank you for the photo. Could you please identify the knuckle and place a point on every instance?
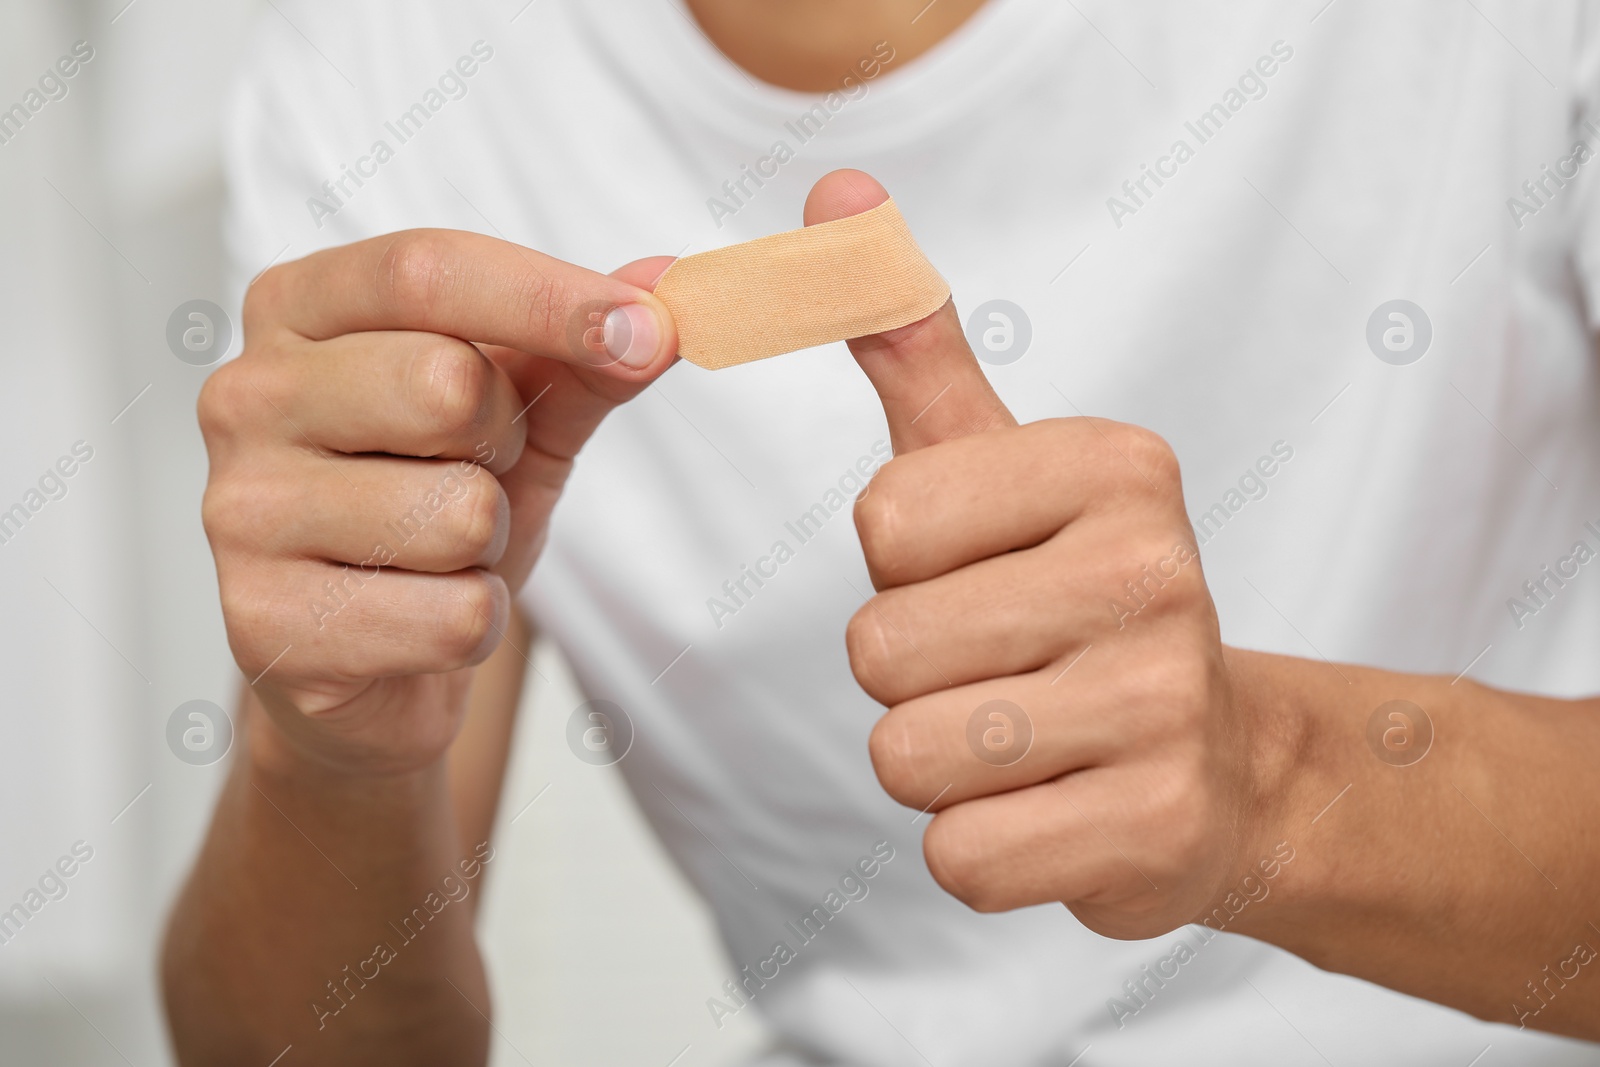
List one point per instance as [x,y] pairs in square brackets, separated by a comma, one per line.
[236,607]
[1156,462]
[867,644]
[223,400]
[891,748]
[481,513]
[449,388]
[1163,572]
[220,509]
[247,616]
[878,515]
[412,271]
[1135,571]
[1153,549]
[958,862]
[1189,590]
[265,296]
[467,621]
[213,511]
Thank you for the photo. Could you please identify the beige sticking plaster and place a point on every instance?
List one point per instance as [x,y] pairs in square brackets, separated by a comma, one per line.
[851,277]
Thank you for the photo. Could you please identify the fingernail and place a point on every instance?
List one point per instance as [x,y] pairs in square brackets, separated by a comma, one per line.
[631,335]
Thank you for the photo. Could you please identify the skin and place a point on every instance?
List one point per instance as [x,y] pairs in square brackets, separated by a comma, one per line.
[1168,775]
[1165,769]
[811,45]
[374,735]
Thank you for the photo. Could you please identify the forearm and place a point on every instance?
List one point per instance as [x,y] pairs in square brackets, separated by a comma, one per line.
[1470,876]
[319,914]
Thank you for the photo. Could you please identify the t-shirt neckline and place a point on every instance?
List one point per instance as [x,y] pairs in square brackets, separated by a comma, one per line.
[904,103]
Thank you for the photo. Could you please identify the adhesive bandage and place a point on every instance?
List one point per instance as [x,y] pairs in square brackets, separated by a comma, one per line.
[830,282]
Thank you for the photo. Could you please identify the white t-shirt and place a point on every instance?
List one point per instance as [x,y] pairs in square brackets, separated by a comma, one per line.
[1333,159]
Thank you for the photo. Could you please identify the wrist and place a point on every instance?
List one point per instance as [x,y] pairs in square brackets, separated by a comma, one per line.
[274,757]
[1276,734]
[1279,732]
[1324,790]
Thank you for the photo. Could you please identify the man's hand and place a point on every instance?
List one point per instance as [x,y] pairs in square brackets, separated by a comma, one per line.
[1059,695]
[1057,690]
[1044,642]
[384,459]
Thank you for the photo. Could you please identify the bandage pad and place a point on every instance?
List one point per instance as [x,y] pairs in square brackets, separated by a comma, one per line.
[830,282]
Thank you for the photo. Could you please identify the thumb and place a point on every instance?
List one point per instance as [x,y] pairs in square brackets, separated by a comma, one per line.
[931,384]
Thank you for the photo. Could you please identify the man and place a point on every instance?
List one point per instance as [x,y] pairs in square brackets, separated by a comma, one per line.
[1339,263]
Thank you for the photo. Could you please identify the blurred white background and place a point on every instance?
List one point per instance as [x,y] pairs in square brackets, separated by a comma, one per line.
[112,198]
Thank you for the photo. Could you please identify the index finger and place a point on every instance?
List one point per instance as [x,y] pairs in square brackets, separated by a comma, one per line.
[474,287]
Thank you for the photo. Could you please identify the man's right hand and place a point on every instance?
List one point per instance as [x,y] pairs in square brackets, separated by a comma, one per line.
[366,560]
